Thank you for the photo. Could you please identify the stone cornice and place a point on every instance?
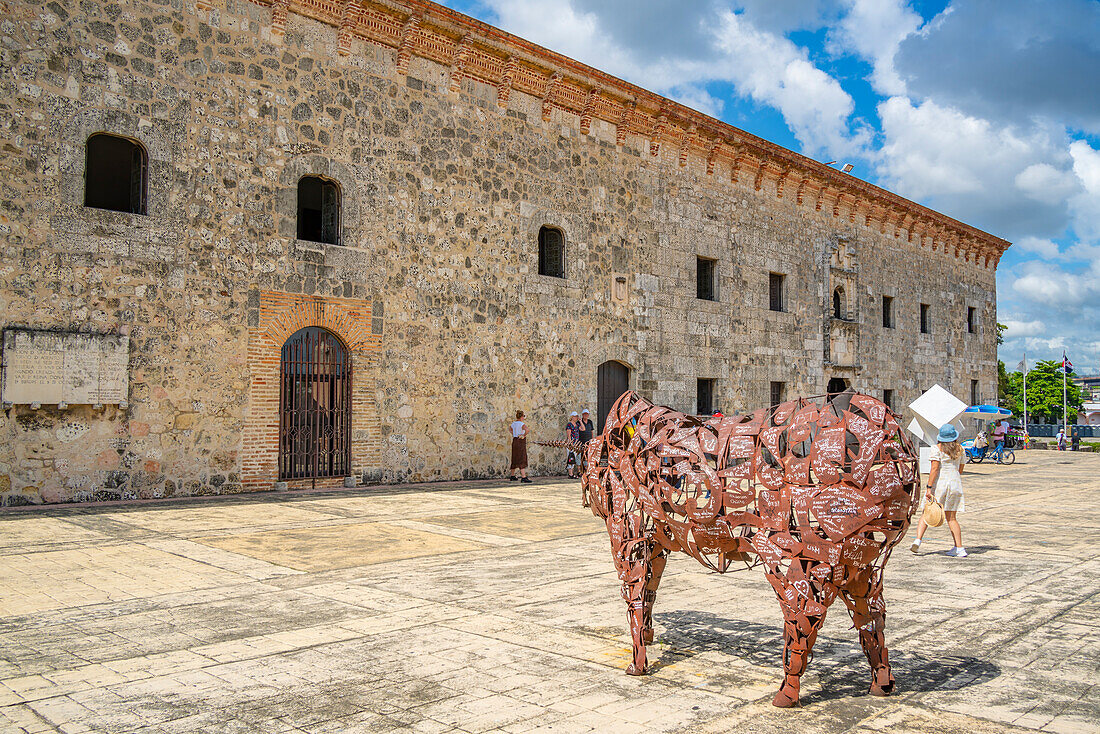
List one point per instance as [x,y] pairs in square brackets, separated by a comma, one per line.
[475,50]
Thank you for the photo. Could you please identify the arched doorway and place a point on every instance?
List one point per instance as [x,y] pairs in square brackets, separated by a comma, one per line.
[612,380]
[314,406]
[836,384]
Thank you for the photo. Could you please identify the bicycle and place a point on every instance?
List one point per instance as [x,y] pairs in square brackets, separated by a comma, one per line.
[1008,457]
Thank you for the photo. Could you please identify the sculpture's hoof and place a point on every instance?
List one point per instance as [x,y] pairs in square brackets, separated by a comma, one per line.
[884,688]
[634,670]
[784,700]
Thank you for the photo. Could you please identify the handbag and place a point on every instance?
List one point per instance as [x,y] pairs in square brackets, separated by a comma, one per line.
[933,514]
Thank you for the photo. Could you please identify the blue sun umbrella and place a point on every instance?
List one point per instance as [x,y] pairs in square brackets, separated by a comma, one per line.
[986,412]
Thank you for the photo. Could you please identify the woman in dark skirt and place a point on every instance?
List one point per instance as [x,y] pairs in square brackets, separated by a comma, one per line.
[518,430]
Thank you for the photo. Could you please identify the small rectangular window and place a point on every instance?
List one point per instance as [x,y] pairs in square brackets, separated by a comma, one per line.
[971,313]
[887,312]
[776,299]
[706,287]
[974,395]
[551,252]
[925,322]
[777,391]
[888,398]
[704,397]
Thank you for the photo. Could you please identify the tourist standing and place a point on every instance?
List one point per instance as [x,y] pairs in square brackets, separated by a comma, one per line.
[587,429]
[1075,442]
[945,487]
[1061,439]
[573,435]
[518,431]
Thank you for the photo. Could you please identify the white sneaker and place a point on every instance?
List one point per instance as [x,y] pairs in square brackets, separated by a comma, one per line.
[957,553]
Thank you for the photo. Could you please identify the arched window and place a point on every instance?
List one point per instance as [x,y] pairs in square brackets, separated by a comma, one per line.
[551,252]
[314,406]
[838,303]
[318,210]
[115,174]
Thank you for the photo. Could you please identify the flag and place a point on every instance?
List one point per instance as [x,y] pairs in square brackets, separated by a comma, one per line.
[1067,366]
[1022,367]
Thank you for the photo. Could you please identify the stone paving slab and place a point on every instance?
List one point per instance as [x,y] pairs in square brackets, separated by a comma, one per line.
[486,606]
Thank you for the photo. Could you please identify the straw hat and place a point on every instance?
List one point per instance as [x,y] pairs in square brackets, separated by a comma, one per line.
[933,514]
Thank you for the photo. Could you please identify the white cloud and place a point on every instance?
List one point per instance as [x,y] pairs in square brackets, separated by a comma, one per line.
[1047,284]
[1043,182]
[714,44]
[1012,182]
[1086,205]
[1042,247]
[874,29]
[774,71]
[1023,328]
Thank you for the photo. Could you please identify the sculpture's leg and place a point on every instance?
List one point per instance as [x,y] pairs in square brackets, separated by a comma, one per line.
[636,572]
[865,602]
[799,635]
[656,568]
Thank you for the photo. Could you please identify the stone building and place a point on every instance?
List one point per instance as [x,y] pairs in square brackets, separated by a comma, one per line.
[308,240]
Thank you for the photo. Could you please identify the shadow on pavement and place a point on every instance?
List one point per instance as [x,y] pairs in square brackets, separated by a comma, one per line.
[839,665]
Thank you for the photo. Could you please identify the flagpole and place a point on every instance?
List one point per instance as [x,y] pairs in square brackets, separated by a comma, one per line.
[1065,413]
[1025,392]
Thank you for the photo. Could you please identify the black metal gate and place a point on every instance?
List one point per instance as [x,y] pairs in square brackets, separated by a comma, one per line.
[612,380]
[314,406]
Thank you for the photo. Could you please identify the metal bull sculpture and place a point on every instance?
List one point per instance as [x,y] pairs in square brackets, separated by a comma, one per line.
[818,492]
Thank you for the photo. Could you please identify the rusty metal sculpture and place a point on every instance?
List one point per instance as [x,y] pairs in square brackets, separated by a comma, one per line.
[817,491]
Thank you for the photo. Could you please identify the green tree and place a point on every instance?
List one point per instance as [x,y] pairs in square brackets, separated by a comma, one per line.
[1005,395]
[1001,333]
[1044,392]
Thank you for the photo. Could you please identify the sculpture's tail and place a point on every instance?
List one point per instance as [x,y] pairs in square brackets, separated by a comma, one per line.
[562,443]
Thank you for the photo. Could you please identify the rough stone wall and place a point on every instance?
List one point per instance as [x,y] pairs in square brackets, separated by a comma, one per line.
[443,197]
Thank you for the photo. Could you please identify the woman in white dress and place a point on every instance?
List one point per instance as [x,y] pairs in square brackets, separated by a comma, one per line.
[945,485]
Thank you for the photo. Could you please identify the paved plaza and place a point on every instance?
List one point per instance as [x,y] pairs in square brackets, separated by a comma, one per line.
[493,606]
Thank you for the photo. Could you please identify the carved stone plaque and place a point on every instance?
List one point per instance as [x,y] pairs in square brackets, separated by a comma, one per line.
[63,367]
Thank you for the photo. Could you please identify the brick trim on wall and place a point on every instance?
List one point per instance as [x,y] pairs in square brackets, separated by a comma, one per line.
[280,316]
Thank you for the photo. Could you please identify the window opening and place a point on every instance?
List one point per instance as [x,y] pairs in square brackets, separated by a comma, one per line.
[775,291]
[705,286]
[551,252]
[838,303]
[115,173]
[318,210]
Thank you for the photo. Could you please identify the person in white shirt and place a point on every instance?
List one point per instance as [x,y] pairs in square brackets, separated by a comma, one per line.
[518,431]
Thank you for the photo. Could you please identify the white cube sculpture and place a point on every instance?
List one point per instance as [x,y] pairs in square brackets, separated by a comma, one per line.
[932,410]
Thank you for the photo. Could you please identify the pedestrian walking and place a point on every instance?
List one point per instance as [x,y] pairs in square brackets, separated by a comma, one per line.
[1075,442]
[572,434]
[518,431]
[945,487]
[1061,439]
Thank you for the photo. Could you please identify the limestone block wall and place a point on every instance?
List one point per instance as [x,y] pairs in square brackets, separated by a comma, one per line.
[445,181]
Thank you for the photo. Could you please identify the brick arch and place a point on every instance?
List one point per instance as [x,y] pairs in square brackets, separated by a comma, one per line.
[280,315]
[351,322]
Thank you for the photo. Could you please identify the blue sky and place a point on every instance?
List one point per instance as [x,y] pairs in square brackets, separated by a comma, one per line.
[986,110]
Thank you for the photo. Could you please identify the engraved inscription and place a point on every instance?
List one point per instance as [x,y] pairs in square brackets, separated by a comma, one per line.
[51,368]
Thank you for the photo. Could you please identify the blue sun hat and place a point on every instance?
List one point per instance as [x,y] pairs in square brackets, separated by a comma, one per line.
[948,433]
